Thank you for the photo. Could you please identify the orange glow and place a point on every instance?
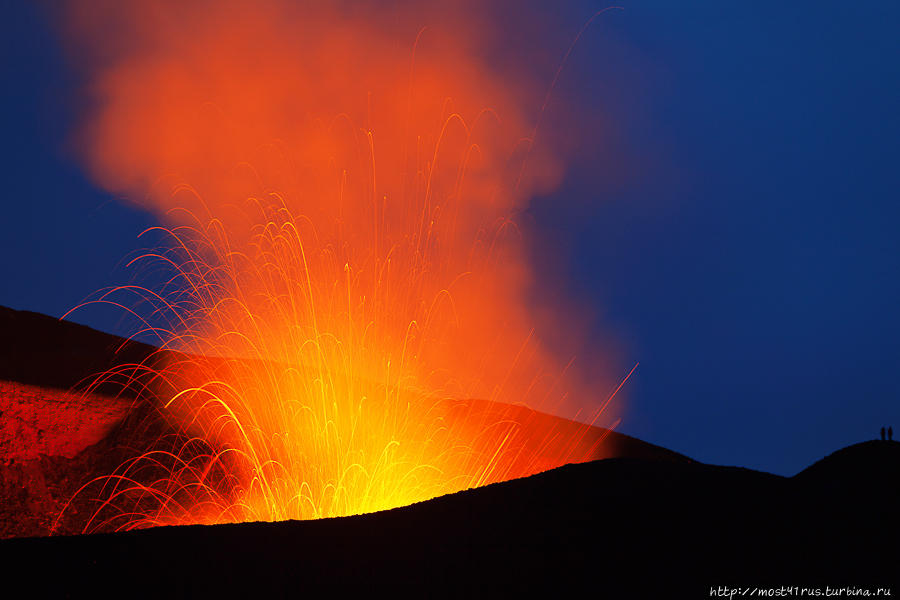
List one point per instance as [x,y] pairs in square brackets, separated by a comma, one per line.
[341,208]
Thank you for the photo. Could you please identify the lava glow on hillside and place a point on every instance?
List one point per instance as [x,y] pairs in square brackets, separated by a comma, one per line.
[340,191]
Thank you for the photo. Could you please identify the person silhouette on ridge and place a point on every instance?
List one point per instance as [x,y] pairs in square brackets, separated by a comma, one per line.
[882,434]
[890,433]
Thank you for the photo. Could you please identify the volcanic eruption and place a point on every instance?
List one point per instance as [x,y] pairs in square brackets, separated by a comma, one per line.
[342,313]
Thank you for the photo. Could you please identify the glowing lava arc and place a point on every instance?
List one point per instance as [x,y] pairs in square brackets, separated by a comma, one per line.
[299,389]
[346,269]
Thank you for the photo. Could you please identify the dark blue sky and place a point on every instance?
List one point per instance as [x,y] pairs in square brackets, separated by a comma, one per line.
[732,214]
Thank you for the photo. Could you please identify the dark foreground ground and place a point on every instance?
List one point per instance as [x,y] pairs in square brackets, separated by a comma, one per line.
[650,524]
[615,528]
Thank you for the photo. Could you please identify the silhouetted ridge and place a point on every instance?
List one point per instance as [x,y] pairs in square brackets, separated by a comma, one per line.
[652,523]
[40,350]
[619,527]
[866,461]
[866,470]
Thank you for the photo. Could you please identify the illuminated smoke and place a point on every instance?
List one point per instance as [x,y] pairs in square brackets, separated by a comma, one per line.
[341,188]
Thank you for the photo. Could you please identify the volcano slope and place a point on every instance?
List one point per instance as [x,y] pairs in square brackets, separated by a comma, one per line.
[60,429]
[619,528]
[647,523]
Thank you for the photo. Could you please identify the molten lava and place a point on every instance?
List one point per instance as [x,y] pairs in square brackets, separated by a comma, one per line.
[346,269]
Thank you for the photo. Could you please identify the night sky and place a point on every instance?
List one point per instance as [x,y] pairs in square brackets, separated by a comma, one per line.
[731,214]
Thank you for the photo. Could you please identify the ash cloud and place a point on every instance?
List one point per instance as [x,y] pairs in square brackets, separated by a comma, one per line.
[395,129]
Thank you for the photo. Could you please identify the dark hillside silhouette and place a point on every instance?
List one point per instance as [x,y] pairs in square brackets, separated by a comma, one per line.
[617,526]
[651,523]
[40,350]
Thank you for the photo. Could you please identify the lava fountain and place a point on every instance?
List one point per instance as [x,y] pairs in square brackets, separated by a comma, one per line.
[346,272]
